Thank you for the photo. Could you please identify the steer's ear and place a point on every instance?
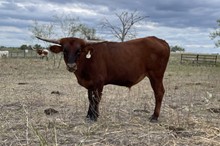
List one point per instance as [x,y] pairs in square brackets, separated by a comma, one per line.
[56,49]
[88,49]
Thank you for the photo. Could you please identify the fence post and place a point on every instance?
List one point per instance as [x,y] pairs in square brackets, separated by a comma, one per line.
[197,58]
[216,59]
[181,58]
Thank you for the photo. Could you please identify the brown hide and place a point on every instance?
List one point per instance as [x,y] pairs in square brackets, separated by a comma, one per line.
[41,52]
[124,64]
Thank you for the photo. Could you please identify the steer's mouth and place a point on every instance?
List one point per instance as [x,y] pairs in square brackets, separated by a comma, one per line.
[71,67]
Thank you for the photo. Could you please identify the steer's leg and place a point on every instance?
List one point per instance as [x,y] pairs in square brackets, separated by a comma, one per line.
[158,88]
[90,96]
[94,99]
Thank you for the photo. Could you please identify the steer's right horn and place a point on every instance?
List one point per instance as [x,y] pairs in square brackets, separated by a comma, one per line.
[49,40]
[33,48]
[94,41]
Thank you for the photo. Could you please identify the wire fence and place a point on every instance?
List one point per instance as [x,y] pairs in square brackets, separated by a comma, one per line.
[23,54]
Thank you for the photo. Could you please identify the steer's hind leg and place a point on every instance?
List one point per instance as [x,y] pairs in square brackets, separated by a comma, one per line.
[94,99]
[158,88]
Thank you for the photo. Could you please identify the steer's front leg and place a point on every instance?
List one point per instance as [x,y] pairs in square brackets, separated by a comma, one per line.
[94,99]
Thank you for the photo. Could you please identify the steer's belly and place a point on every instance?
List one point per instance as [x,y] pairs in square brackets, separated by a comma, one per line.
[127,80]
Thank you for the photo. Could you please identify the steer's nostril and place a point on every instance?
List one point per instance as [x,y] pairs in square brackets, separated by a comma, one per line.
[71,65]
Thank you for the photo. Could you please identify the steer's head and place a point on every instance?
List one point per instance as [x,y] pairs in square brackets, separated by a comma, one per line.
[38,50]
[71,48]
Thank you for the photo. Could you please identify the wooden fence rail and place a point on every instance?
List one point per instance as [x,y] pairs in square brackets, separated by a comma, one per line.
[199,58]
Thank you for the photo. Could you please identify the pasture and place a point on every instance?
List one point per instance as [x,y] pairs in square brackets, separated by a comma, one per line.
[189,116]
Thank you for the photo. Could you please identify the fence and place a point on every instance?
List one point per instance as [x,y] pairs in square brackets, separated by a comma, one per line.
[199,58]
[23,54]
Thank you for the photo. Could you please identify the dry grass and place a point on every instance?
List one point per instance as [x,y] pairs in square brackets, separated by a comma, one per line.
[190,112]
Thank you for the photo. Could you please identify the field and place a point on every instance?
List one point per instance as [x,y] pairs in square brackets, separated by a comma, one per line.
[190,112]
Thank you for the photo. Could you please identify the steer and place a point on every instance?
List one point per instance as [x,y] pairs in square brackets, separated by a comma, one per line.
[4,54]
[117,63]
[42,52]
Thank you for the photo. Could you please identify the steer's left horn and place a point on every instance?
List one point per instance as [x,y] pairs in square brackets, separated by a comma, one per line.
[32,48]
[94,40]
[49,40]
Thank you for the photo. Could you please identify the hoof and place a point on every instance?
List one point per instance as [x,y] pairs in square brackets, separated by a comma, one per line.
[89,121]
[153,119]
[91,118]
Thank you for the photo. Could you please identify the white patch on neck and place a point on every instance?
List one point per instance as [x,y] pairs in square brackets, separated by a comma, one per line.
[88,55]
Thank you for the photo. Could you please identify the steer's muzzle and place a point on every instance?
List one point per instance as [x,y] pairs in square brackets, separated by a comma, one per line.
[71,67]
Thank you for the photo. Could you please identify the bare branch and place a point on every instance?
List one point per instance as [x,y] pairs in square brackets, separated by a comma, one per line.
[216,34]
[126,28]
[69,25]
[42,30]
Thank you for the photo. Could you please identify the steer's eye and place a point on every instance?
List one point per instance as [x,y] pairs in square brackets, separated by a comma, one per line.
[78,52]
[64,52]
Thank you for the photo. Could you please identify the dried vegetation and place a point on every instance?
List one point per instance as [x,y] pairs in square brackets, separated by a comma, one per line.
[190,111]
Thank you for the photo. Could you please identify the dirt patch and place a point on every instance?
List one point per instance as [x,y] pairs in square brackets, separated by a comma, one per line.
[50,111]
[55,92]
[22,83]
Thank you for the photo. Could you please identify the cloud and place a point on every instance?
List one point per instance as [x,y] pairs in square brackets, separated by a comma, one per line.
[187,23]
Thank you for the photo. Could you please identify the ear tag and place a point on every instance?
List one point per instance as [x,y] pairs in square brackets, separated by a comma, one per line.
[88,55]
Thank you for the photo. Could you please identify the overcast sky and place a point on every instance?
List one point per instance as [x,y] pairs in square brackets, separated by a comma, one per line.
[186,23]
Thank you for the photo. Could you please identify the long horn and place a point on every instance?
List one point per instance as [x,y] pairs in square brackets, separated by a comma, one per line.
[95,41]
[32,48]
[49,40]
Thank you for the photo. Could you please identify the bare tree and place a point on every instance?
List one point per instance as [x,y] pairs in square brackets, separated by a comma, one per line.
[42,30]
[87,32]
[69,25]
[125,29]
[66,24]
[216,34]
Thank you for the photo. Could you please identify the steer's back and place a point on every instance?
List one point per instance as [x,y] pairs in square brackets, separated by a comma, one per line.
[129,62]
